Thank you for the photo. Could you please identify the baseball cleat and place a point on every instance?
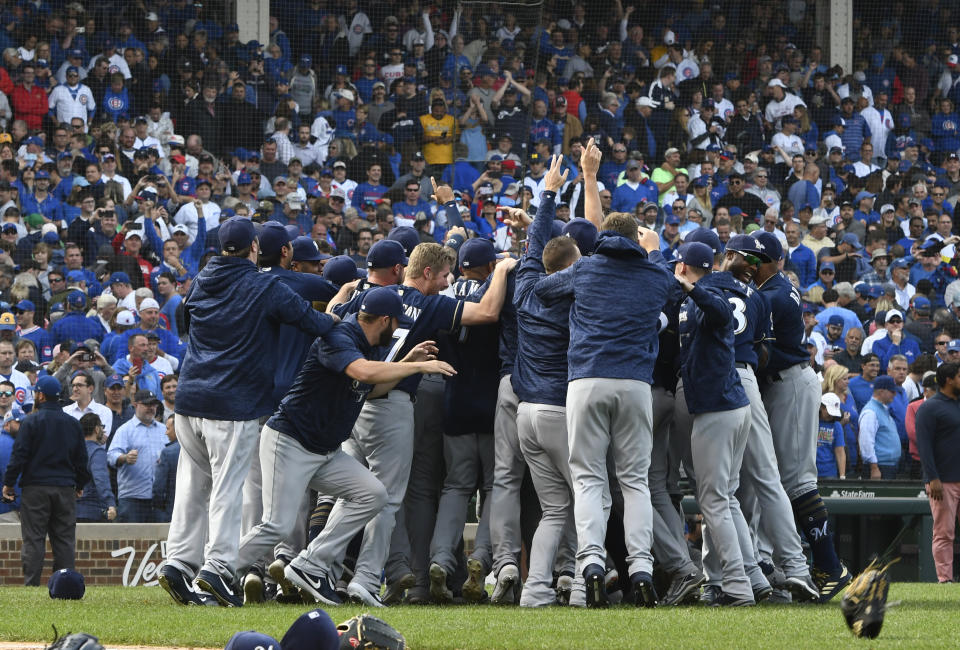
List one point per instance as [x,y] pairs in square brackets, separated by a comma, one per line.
[316,586]
[206,599]
[832,584]
[474,589]
[683,588]
[726,600]
[611,579]
[219,588]
[177,586]
[252,588]
[802,589]
[760,594]
[276,572]
[505,592]
[395,590]
[596,587]
[564,589]
[644,594]
[439,591]
[780,597]
[359,594]
[711,594]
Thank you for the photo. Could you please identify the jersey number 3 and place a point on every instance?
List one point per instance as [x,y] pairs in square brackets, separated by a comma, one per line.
[739,315]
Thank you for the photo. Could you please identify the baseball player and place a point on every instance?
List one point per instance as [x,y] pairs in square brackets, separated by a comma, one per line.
[234,313]
[719,405]
[760,478]
[469,405]
[610,366]
[276,258]
[383,435]
[300,444]
[791,395]
[540,382]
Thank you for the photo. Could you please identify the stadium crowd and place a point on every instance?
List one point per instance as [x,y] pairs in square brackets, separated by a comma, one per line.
[132,132]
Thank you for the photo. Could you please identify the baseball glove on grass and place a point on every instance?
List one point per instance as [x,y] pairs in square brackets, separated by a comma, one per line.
[367,632]
[78,641]
[865,602]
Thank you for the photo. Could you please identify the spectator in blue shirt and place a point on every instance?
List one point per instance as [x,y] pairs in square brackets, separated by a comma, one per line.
[165,475]
[135,364]
[134,451]
[634,189]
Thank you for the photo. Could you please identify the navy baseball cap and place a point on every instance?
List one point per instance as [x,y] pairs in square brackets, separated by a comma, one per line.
[583,232]
[306,250]
[49,386]
[119,277]
[476,252]
[341,270]
[8,227]
[77,299]
[827,266]
[306,61]
[836,319]
[314,630]
[65,584]
[696,254]
[24,305]
[381,301]
[704,236]
[885,382]
[672,220]
[772,247]
[113,380]
[292,229]
[273,237]
[745,245]
[243,178]
[407,236]
[236,233]
[899,263]
[385,253]
[252,640]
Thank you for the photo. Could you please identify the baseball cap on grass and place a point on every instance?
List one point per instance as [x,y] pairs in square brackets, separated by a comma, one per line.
[252,640]
[341,270]
[314,630]
[237,233]
[65,584]
[583,232]
[832,402]
[407,236]
[381,301]
[386,253]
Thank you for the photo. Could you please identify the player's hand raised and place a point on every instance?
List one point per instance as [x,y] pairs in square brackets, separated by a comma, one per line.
[554,180]
[441,193]
[506,264]
[648,239]
[425,351]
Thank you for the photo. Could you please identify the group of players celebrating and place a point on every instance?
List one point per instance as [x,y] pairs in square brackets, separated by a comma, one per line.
[595,363]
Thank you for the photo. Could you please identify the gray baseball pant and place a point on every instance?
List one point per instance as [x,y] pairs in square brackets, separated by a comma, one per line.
[616,414]
[761,478]
[288,469]
[793,407]
[717,443]
[542,430]
[214,460]
[508,472]
[469,462]
[669,544]
[410,544]
[382,439]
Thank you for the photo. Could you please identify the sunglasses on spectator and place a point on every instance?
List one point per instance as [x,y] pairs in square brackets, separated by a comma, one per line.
[6,393]
[826,272]
[942,342]
[895,320]
[937,194]
[761,175]
[620,151]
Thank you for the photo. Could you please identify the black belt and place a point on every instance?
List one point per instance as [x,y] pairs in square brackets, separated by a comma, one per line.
[741,364]
[413,398]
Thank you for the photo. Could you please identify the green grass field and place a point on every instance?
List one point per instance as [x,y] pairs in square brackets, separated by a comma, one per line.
[925,617]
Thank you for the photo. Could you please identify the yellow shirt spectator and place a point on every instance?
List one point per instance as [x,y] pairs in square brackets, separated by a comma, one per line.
[439,134]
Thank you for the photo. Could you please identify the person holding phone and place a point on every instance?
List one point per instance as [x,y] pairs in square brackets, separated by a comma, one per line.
[137,373]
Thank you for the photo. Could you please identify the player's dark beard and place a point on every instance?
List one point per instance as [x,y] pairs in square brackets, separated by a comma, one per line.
[386,335]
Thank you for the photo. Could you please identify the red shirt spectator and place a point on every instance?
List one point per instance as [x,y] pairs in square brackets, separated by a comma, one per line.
[29,101]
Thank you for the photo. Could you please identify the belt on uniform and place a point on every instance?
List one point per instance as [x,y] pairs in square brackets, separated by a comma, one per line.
[741,364]
[775,376]
[413,398]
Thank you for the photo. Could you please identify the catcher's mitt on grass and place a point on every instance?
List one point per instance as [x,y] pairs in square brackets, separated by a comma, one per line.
[78,641]
[369,633]
[865,601]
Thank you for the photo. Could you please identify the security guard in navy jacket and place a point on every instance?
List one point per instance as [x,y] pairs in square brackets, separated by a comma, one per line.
[50,459]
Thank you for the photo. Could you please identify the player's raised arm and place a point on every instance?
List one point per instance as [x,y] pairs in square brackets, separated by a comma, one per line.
[590,163]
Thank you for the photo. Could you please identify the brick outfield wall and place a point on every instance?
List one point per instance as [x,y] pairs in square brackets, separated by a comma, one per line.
[107,554]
